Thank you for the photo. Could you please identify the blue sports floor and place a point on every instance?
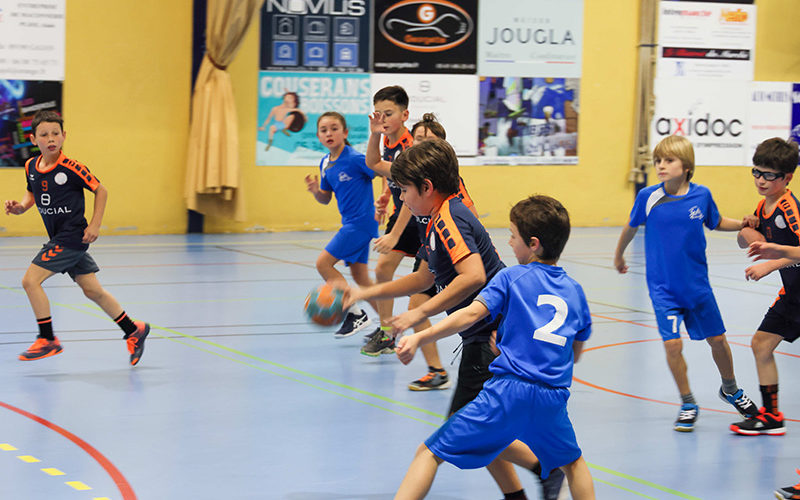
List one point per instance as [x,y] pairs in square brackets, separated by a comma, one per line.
[238,397]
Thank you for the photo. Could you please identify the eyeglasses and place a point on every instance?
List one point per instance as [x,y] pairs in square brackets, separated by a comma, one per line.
[768,176]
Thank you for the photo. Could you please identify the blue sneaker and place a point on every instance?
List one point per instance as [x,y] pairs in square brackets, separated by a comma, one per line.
[687,417]
[741,402]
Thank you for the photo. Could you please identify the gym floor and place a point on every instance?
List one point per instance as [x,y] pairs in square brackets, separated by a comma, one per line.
[238,397]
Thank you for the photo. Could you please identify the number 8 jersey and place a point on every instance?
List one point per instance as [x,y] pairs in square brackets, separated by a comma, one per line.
[58,193]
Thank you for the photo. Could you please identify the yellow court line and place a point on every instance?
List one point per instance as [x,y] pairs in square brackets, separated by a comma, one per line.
[78,485]
[52,471]
[6,447]
[28,459]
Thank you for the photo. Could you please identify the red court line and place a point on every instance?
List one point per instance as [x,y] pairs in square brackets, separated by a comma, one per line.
[122,483]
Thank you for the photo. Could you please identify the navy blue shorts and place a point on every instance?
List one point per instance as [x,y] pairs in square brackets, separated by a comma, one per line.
[59,259]
[702,320]
[783,319]
[350,244]
[408,243]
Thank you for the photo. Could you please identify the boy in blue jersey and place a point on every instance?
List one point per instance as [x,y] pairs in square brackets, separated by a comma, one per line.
[523,406]
[458,257]
[674,213]
[777,213]
[55,186]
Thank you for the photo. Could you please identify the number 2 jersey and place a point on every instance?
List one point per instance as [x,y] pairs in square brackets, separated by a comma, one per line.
[58,194]
[781,227]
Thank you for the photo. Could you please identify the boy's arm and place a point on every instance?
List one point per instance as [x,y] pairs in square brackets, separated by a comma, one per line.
[453,323]
[748,235]
[758,271]
[322,196]
[728,224]
[471,277]
[416,282]
[577,350]
[373,154]
[92,231]
[628,232]
[762,250]
[386,243]
[20,207]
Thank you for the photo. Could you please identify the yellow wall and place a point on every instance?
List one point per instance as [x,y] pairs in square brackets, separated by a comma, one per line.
[126,105]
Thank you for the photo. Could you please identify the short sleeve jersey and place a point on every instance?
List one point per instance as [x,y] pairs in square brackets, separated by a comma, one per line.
[675,243]
[422,222]
[544,311]
[781,227]
[58,193]
[452,235]
[390,152]
[351,181]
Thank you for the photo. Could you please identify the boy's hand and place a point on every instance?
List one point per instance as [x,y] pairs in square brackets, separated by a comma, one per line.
[385,243]
[312,183]
[406,348]
[757,271]
[90,234]
[14,207]
[403,322]
[750,221]
[619,264]
[380,205]
[760,250]
[350,296]
[376,123]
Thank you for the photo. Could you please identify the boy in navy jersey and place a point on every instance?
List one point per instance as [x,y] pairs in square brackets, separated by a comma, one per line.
[523,407]
[674,213]
[458,257]
[55,186]
[775,161]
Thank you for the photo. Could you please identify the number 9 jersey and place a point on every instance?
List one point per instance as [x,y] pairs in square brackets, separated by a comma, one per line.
[58,193]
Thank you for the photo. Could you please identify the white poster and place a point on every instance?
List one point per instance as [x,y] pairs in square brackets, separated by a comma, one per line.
[706,40]
[452,98]
[32,40]
[711,114]
[770,114]
[530,38]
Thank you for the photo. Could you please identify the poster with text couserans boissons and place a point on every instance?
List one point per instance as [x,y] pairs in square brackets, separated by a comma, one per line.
[528,121]
[289,105]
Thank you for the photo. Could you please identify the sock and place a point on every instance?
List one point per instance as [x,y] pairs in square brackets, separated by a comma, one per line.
[432,369]
[769,394]
[46,328]
[688,399]
[124,322]
[729,387]
[517,495]
[354,309]
[386,331]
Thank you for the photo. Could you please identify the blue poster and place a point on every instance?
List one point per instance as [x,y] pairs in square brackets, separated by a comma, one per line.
[795,113]
[19,101]
[289,105]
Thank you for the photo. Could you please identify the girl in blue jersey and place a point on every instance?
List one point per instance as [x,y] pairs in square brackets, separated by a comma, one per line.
[674,213]
[344,172]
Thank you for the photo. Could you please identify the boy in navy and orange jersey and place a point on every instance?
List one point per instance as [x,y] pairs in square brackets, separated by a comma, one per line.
[777,214]
[55,185]
[458,257]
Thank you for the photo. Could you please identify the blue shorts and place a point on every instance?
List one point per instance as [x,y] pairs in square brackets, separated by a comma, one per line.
[509,408]
[350,244]
[702,320]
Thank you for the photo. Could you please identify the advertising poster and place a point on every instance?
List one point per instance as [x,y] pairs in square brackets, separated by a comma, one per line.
[425,36]
[442,95]
[19,101]
[289,105]
[795,113]
[706,40]
[32,38]
[770,114]
[711,114]
[528,121]
[531,38]
[305,35]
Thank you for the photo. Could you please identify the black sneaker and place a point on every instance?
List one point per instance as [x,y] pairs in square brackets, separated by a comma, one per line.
[741,402]
[377,345]
[371,334]
[789,492]
[763,423]
[434,380]
[555,486]
[352,323]
[687,417]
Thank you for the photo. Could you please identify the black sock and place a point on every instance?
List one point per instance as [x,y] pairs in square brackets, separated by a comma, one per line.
[124,322]
[769,394]
[517,495]
[46,328]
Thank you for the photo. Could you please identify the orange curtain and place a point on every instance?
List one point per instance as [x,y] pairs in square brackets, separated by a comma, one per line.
[213,177]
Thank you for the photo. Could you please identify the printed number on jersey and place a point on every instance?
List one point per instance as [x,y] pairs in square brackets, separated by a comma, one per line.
[545,333]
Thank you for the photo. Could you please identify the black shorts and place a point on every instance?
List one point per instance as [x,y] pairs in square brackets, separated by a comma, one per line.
[430,292]
[409,239]
[59,259]
[473,372]
[783,319]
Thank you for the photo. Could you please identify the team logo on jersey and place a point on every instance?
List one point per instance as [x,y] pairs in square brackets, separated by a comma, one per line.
[695,213]
[60,178]
[30,176]
[343,177]
[780,222]
[433,241]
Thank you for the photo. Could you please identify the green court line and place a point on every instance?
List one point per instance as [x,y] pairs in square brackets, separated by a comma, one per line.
[609,483]
[643,482]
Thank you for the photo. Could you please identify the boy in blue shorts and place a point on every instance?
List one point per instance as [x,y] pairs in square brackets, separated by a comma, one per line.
[458,257]
[55,186]
[674,213]
[775,161]
[525,403]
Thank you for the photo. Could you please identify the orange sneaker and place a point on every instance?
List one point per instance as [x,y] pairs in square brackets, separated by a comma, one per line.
[136,341]
[42,348]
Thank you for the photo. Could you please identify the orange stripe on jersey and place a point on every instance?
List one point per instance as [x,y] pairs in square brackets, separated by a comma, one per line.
[83,172]
[45,170]
[463,194]
[405,138]
[28,167]
[760,207]
[449,234]
[790,213]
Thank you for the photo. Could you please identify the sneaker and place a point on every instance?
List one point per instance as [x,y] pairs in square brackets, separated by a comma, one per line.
[763,423]
[555,486]
[42,348]
[433,380]
[687,417]
[741,402]
[371,334]
[789,492]
[136,341]
[351,324]
[377,345]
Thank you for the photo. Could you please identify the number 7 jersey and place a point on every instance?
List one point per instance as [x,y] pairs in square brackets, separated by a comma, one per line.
[58,194]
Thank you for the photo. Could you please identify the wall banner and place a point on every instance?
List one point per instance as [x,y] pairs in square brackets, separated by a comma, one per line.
[19,101]
[309,35]
[795,113]
[770,114]
[32,38]
[289,105]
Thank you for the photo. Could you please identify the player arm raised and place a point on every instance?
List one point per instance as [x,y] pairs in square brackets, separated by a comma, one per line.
[20,207]
[322,196]
[628,232]
[92,231]
[373,154]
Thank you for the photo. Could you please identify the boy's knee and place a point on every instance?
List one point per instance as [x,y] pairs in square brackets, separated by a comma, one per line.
[761,347]
[717,340]
[673,347]
[383,273]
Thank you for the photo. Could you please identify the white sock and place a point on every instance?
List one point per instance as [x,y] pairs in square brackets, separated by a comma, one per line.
[354,309]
